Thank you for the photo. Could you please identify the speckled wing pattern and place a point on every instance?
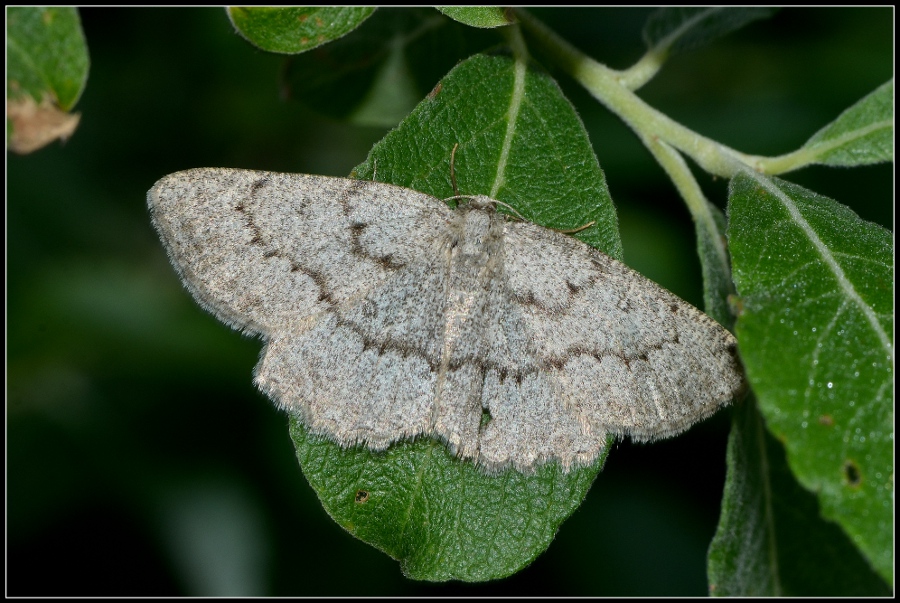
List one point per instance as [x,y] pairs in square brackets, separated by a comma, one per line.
[388,315]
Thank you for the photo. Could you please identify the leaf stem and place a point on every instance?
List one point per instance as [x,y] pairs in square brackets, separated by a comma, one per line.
[813,153]
[677,169]
[643,71]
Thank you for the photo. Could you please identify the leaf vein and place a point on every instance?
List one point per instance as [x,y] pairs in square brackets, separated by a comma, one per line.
[828,258]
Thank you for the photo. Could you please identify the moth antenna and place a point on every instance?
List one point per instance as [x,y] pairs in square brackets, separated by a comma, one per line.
[513,210]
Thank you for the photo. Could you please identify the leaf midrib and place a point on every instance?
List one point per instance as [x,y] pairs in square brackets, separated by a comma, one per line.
[828,258]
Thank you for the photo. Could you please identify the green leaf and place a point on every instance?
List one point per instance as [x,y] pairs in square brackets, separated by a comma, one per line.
[771,540]
[862,134]
[47,55]
[378,75]
[296,29]
[815,285]
[443,519]
[717,284]
[47,68]
[479,16]
[520,141]
[672,30]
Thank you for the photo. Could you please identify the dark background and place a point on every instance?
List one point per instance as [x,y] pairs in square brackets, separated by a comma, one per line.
[140,459]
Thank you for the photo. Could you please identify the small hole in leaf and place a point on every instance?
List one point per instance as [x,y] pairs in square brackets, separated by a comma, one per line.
[851,473]
[362,496]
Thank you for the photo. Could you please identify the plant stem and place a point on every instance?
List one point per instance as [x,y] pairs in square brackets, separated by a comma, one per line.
[641,72]
[677,169]
[612,89]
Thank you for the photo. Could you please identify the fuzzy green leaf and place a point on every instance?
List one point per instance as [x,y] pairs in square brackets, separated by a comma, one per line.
[862,134]
[520,141]
[771,540]
[46,55]
[717,285]
[479,16]
[443,519]
[815,326]
[47,69]
[672,30]
[295,29]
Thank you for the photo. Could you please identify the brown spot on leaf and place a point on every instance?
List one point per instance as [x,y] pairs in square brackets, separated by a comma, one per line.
[361,496]
[736,304]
